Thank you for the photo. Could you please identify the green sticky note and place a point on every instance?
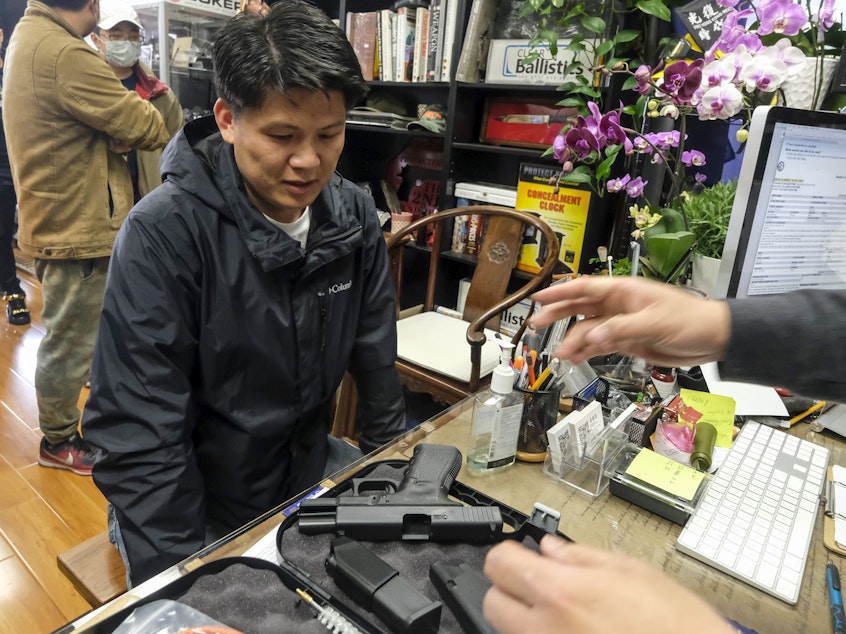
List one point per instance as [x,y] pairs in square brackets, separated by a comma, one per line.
[715,409]
[665,474]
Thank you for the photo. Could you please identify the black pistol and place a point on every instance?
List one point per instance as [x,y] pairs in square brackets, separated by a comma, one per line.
[419,510]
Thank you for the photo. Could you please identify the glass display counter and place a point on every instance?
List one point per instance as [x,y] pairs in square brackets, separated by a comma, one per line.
[178,36]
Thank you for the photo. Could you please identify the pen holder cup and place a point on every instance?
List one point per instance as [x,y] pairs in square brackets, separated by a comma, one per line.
[540,413]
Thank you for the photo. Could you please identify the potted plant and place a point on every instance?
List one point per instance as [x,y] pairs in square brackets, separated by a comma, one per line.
[708,213]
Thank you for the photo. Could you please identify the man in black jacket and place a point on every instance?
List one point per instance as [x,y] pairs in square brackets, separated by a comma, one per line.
[238,294]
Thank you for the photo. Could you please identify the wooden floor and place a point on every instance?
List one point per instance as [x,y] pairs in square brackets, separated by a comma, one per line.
[43,512]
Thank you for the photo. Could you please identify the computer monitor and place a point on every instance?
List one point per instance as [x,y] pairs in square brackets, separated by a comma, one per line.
[788,223]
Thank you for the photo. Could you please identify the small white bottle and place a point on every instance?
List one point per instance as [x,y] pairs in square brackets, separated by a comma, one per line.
[496,420]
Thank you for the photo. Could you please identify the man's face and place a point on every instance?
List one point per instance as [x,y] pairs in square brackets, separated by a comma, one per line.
[120,32]
[287,149]
[94,8]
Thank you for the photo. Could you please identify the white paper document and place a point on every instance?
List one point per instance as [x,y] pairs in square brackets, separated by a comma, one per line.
[751,399]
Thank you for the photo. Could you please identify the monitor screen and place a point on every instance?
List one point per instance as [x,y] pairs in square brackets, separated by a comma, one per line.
[788,223]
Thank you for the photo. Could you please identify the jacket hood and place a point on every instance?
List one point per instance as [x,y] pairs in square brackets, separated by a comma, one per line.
[202,164]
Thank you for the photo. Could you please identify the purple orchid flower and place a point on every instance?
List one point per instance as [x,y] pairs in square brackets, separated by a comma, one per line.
[825,19]
[732,34]
[618,184]
[642,144]
[581,142]
[784,17]
[610,129]
[729,4]
[642,76]
[699,177]
[693,158]
[635,187]
[682,79]
[559,148]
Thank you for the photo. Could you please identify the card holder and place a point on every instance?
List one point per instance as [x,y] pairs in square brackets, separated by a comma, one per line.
[830,514]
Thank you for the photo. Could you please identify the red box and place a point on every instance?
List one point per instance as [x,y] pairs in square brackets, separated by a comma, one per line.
[521,124]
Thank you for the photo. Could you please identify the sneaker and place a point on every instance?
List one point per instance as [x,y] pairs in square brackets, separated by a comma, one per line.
[16,310]
[73,454]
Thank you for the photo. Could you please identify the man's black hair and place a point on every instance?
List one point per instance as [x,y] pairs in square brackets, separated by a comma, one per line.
[67,5]
[295,46]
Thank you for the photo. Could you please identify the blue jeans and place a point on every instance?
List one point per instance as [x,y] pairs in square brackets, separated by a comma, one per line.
[340,455]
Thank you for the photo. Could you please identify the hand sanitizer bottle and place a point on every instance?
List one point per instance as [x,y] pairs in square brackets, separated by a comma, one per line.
[496,419]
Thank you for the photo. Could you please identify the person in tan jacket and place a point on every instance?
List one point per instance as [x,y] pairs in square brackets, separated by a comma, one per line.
[68,122]
[118,38]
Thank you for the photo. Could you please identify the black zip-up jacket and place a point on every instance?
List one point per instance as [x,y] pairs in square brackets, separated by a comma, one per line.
[220,347]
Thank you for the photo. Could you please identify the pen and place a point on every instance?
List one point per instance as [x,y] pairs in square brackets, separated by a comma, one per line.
[813,408]
[835,599]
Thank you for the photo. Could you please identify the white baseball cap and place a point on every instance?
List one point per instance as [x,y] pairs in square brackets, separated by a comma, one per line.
[113,12]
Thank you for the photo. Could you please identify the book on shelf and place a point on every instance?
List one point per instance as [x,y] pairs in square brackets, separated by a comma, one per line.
[477,36]
[405,25]
[435,54]
[421,44]
[564,210]
[448,37]
[386,44]
[362,35]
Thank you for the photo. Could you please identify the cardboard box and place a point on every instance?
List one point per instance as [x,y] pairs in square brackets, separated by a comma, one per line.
[487,193]
[507,63]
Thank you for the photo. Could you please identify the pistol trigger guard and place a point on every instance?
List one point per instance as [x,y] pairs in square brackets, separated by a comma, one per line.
[366,485]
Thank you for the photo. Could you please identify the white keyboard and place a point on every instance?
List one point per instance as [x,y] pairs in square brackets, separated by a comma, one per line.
[757,515]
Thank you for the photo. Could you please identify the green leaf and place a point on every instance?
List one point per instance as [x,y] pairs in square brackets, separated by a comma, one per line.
[571,102]
[654,7]
[630,83]
[626,36]
[666,250]
[604,168]
[594,24]
[576,11]
[586,90]
[582,174]
[671,221]
[604,48]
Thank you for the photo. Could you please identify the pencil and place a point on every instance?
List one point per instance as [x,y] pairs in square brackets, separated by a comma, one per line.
[546,372]
[813,408]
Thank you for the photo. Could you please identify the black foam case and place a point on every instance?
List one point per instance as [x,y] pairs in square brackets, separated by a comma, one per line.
[257,596]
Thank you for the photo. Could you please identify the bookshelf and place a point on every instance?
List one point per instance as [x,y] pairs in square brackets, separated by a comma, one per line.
[371,152]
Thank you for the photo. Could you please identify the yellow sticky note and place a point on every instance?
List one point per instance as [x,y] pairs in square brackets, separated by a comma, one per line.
[715,409]
[665,474]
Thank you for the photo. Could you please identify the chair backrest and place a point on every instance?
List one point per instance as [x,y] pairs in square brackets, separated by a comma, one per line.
[496,259]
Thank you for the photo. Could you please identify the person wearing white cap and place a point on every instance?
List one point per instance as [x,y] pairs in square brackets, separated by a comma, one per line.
[118,37]
[68,121]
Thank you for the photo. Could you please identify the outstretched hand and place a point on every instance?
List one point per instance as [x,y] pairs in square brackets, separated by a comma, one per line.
[660,323]
[575,589]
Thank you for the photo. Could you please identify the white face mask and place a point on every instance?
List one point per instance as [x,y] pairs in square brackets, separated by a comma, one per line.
[122,54]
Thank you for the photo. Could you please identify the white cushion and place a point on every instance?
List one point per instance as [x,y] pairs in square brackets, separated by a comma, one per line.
[438,343]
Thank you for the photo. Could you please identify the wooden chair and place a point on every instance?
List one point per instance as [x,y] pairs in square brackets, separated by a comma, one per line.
[465,352]
[486,299]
